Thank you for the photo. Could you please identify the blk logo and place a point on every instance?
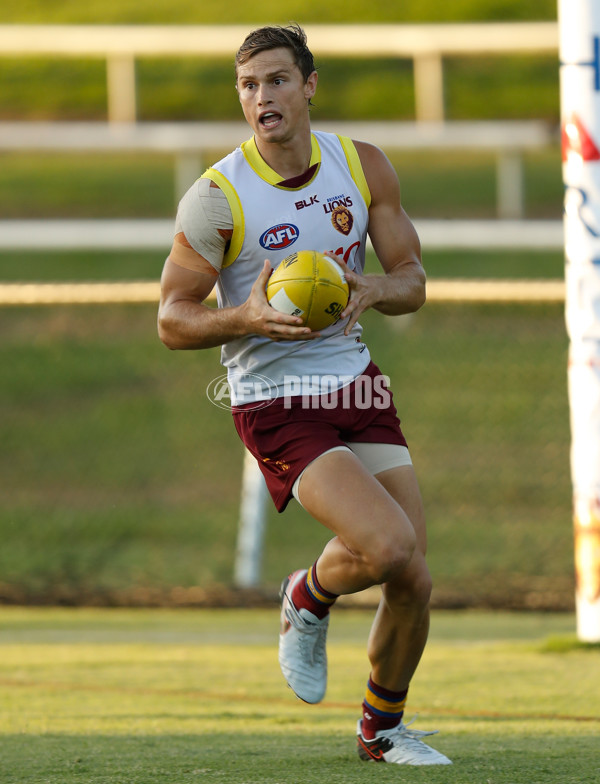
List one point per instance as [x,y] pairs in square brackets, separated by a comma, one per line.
[300,205]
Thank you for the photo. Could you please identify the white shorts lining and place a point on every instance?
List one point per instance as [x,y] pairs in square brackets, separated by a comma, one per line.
[375,457]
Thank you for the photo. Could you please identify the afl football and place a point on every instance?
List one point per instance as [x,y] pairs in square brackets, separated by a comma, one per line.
[310,285]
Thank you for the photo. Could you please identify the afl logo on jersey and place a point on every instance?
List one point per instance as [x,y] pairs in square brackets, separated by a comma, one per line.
[279,237]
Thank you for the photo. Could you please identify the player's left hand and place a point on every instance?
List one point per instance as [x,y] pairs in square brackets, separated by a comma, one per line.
[364,292]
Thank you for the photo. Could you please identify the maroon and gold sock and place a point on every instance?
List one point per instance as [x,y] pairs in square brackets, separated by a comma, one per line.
[382,709]
[309,594]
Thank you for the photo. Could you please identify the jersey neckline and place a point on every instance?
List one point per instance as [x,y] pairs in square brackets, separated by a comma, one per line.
[269,175]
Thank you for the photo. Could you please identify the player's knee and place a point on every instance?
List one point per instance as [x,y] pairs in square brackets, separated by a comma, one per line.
[411,587]
[389,559]
[420,587]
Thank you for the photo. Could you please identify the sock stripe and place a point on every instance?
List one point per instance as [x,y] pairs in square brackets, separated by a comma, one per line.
[318,593]
[391,710]
[386,694]
[383,702]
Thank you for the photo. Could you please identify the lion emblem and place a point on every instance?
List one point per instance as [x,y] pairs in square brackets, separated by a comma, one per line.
[342,220]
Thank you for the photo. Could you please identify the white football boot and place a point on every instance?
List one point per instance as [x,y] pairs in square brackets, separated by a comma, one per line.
[401,745]
[302,651]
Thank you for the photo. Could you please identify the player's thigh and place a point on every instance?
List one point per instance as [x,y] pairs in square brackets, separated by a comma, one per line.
[344,496]
[402,484]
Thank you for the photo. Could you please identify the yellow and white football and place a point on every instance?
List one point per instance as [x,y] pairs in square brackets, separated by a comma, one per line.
[310,285]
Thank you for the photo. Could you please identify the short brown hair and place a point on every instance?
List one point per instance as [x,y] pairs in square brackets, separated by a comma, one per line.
[291,37]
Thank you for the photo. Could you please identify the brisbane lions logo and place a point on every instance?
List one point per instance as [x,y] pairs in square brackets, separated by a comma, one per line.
[342,220]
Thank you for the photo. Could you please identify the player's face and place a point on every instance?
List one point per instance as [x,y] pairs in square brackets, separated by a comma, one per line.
[274,95]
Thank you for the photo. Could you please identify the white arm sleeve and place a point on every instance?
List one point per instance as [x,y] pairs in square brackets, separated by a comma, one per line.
[202,212]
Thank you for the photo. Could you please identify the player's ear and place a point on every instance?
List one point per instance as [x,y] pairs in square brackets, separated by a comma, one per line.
[310,86]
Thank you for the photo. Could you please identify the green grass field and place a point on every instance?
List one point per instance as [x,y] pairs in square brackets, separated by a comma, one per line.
[123,477]
[176,697]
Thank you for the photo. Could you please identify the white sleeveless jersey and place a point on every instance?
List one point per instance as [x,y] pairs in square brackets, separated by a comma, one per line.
[329,213]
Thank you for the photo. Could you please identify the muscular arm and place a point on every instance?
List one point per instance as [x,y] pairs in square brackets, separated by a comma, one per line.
[402,288]
[185,322]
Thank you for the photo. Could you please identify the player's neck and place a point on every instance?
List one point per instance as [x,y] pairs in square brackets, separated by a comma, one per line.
[289,159]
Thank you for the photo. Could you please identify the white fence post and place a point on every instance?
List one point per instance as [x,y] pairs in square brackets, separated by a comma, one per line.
[251,529]
[429,87]
[121,88]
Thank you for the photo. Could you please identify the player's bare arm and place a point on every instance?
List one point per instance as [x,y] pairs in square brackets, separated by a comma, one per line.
[395,241]
[186,322]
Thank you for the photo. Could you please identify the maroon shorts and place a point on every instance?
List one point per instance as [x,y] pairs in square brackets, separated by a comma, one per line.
[289,433]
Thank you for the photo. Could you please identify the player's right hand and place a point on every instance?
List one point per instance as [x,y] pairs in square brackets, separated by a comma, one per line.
[264,320]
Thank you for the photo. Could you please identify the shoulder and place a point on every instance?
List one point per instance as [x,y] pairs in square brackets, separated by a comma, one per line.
[380,174]
[206,198]
[374,161]
[193,203]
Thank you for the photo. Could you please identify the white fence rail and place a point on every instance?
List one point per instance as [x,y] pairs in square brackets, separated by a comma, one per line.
[150,234]
[426,45]
[143,291]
